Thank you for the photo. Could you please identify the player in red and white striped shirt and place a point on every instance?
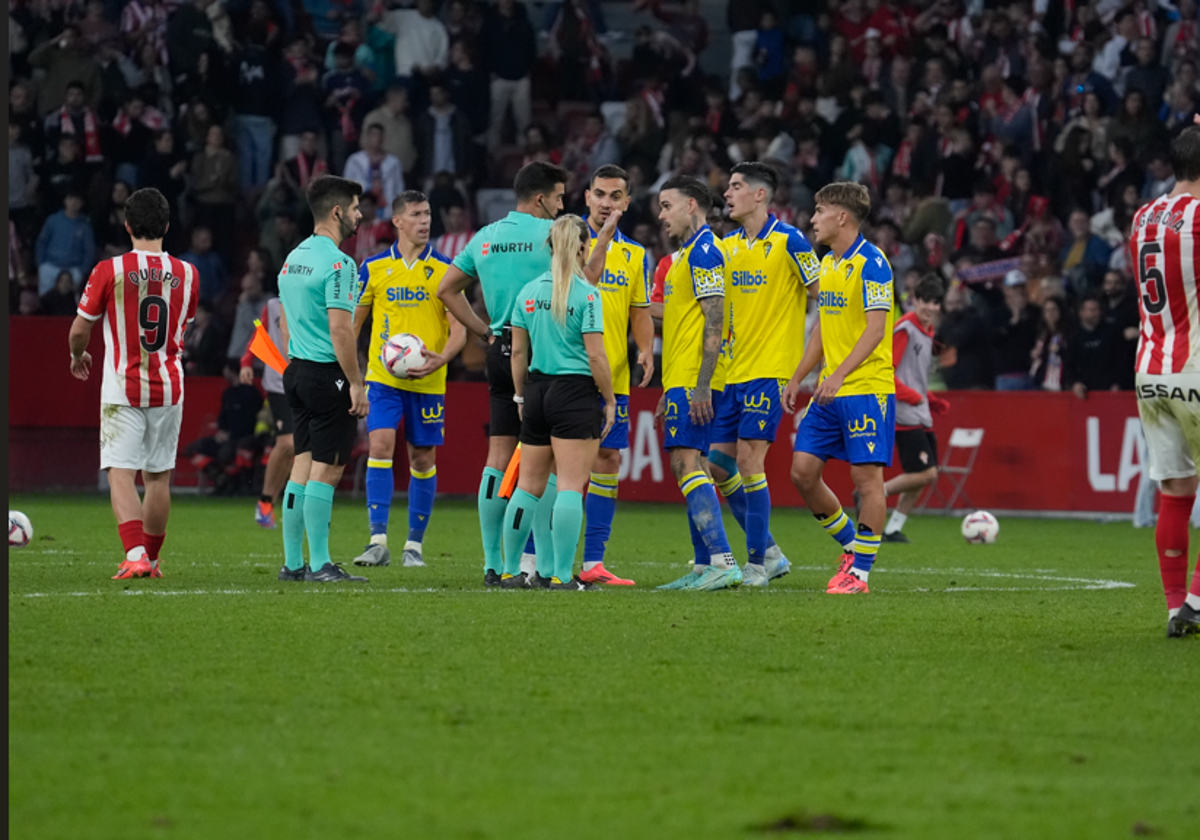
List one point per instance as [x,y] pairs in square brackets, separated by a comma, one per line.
[1165,251]
[146,298]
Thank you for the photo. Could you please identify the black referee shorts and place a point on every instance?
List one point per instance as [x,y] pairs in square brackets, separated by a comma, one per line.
[281,414]
[917,449]
[505,419]
[318,394]
[560,406]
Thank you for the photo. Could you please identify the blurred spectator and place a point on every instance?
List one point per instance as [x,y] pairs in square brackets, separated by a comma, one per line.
[397,128]
[539,145]
[66,243]
[215,190]
[1160,178]
[376,170]
[1136,132]
[65,61]
[444,138]
[346,88]
[1119,313]
[189,34]
[422,45]
[982,244]
[1091,354]
[457,231]
[965,338]
[94,28]
[144,24]
[28,302]
[109,223]
[280,236]
[134,128]
[208,263]
[61,299]
[21,111]
[578,56]
[743,18]
[886,237]
[165,170]
[75,119]
[1180,38]
[256,101]
[592,148]
[1091,119]
[203,343]
[1014,335]
[22,181]
[769,55]
[509,53]
[374,233]
[363,56]
[1148,76]
[468,88]
[303,101]
[249,304]
[1046,370]
[308,163]
[1085,255]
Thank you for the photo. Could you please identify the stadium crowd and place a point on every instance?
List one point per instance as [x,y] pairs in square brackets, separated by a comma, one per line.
[1006,145]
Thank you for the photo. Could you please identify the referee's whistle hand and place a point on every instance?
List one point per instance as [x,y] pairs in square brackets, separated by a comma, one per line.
[358,400]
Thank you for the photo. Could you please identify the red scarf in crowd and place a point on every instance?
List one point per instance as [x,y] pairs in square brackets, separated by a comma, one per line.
[902,163]
[91,133]
[152,118]
[307,171]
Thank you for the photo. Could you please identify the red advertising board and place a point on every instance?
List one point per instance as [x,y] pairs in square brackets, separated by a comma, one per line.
[1040,451]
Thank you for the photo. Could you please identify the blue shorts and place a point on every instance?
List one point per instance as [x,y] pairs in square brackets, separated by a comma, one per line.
[679,430]
[750,411]
[618,435]
[423,415]
[859,430]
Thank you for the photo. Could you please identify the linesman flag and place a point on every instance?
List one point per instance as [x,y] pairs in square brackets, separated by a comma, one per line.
[265,350]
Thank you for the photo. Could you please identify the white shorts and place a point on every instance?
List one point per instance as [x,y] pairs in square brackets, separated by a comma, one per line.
[1169,405]
[144,439]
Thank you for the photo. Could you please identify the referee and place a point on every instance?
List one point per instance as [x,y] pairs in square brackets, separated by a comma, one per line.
[562,316]
[318,286]
[504,256]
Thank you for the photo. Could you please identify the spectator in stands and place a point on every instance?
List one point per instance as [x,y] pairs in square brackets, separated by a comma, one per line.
[1148,76]
[1092,352]
[1047,368]
[458,231]
[374,234]
[444,138]
[21,111]
[66,61]
[1119,313]
[203,343]
[144,24]
[303,100]
[376,170]
[1091,119]
[165,170]
[256,100]
[109,223]
[770,57]
[592,148]
[133,131]
[249,304]
[509,53]
[1136,132]
[227,458]
[966,338]
[62,299]
[75,119]
[28,302]
[1160,178]
[22,181]
[422,46]
[213,277]
[539,145]
[66,243]
[1014,335]
[1179,40]
[189,35]
[94,28]
[1085,255]
[468,88]
[982,244]
[280,236]
[364,56]
[576,52]
[1180,108]
[308,163]
[397,128]
[215,190]
[984,205]
[346,88]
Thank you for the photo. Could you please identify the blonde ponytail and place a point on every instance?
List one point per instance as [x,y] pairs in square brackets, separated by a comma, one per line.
[566,235]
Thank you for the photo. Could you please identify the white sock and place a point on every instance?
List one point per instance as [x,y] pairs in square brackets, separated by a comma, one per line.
[591,564]
[379,539]
[136,553]
[1193,601]
[529,564]
[411,545]
[860,574]
[896,523]
[1171,613]
[723,561]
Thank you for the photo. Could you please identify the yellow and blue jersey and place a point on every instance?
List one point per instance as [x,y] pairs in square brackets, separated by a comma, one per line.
[625,283]
[403,299]
[697,272]
[768,278]
[858,282]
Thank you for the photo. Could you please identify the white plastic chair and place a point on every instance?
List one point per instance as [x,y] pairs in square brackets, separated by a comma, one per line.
[967,441]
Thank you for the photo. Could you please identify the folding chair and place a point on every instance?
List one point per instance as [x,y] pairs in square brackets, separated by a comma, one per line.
[967,440]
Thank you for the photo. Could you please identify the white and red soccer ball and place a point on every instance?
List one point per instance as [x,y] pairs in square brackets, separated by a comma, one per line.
[980,527]
[20,529]
[402,353]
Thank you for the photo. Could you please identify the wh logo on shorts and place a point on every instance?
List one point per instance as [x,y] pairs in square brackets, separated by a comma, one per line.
[432,415]
[862,428]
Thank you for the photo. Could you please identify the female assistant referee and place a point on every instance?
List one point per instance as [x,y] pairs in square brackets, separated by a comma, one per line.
[562,422]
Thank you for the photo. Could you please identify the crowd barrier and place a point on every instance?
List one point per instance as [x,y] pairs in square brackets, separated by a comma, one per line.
[1040,451]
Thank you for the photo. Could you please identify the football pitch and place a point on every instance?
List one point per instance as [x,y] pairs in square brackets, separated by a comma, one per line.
[1024,689]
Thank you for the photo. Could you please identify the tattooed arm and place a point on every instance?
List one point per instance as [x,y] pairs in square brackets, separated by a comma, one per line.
[714,322]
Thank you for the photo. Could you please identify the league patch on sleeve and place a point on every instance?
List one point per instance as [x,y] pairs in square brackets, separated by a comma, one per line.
[809,264]
[708,281]
[878,294]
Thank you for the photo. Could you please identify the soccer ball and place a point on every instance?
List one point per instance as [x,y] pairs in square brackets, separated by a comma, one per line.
[20,530]
[980,527]
[402,353]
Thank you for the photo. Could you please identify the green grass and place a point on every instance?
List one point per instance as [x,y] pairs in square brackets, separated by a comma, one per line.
[978,692]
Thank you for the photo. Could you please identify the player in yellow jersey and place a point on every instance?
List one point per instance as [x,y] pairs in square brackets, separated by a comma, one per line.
[769,267]
[399,293]
[625,287]
[852,414]
[694,327]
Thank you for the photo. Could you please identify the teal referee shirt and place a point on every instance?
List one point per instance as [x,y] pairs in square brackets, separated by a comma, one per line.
[315,278]
[504,256]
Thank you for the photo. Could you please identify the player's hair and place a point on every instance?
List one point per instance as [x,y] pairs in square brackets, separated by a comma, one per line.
[758,174]
[847,195]
[148,213]
[567,235]
[609,170]
[690,188]
[406,198]
[538,178]
[930,289]
[1185,154]
[330,191]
